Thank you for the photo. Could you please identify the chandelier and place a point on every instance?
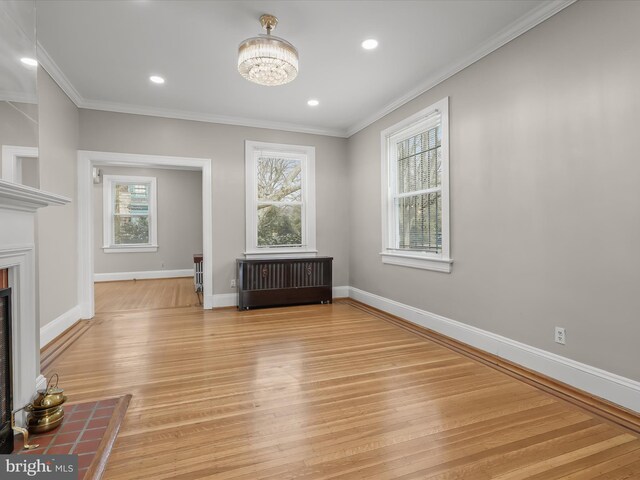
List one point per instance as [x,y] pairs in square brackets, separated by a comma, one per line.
[267,59]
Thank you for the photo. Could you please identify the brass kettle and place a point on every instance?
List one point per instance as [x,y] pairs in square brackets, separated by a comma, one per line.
[45,412]
[40,421]
[50,397]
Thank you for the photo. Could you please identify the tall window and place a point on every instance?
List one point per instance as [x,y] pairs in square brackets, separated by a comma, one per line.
[280,199]
[415,161]
[129,205]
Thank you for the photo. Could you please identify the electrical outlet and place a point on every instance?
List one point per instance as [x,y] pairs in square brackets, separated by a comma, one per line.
[561,336]
[233,283]
[162,266]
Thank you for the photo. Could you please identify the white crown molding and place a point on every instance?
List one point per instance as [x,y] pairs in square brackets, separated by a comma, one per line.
[65,84]
[535,17]
[46,62]
[522,25]
[209,118]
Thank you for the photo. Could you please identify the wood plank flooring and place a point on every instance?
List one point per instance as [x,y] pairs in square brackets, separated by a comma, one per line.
[139,294]
[320,392]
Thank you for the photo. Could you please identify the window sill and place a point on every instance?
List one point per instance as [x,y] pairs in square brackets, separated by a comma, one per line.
[437,264]
[131,249]
[281,253]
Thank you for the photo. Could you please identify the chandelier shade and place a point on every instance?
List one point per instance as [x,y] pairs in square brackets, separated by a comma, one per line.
[267,59]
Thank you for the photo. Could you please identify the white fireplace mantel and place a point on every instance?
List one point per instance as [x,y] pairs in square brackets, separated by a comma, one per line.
[18,205]
[27,199]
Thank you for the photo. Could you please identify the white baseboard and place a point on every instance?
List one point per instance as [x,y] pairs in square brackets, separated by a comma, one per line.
[58,325]
[111,277]
[225,300]
[340,292]
[615,388]
[231,299]
[207,302]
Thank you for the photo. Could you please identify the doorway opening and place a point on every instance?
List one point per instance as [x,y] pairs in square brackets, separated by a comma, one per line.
[90,160]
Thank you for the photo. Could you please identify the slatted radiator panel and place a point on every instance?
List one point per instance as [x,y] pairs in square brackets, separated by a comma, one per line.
[267,276]
[284,281]
[308,274]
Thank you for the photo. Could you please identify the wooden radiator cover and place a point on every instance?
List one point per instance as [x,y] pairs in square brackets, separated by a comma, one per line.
[277,282]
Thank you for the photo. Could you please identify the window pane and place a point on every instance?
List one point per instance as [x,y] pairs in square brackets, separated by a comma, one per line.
[131,199]
[279,225]
[420,222]
[419,161]
[130,230]
[279,179]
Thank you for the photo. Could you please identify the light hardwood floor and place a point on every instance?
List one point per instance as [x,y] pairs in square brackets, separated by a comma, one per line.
[318,392]
[140,294]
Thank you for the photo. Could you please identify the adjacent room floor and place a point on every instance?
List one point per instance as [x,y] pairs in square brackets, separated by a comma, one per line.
[318,392]
[141,294]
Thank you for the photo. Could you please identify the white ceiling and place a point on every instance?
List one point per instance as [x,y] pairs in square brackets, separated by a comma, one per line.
[17,40]
[102,53]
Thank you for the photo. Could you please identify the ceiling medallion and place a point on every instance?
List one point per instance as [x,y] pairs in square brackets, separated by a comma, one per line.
[267,59]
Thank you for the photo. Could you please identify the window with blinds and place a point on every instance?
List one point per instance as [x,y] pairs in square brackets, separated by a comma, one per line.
[416,200]
[418,195]
[129,213]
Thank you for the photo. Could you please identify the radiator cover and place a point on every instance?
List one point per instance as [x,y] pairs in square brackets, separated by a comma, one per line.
[277,282]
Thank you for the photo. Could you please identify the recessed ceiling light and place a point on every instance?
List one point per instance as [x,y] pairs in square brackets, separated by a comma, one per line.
[32,62]
[313,102]
[156,79]
[370,44]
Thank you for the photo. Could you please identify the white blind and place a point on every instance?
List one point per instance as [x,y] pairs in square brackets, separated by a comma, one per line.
[418,189]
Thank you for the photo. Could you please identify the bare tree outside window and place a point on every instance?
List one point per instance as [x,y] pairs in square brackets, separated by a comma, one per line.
[279,195]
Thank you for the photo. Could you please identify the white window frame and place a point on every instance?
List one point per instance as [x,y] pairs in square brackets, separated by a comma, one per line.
[108,245]
[307,157]
[440,262]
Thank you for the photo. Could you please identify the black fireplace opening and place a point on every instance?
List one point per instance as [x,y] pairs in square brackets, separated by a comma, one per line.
[6,401]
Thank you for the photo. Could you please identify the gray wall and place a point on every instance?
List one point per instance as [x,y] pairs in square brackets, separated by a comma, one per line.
[18,125]
[179,223]
[224,144]
[57,226]
[545,209]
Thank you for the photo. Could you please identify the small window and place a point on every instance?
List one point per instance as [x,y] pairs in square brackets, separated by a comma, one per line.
[280,199]
[415,163]
[129,214]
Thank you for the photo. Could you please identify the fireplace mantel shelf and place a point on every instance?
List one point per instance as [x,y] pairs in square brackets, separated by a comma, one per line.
[27,199]
[18,205]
